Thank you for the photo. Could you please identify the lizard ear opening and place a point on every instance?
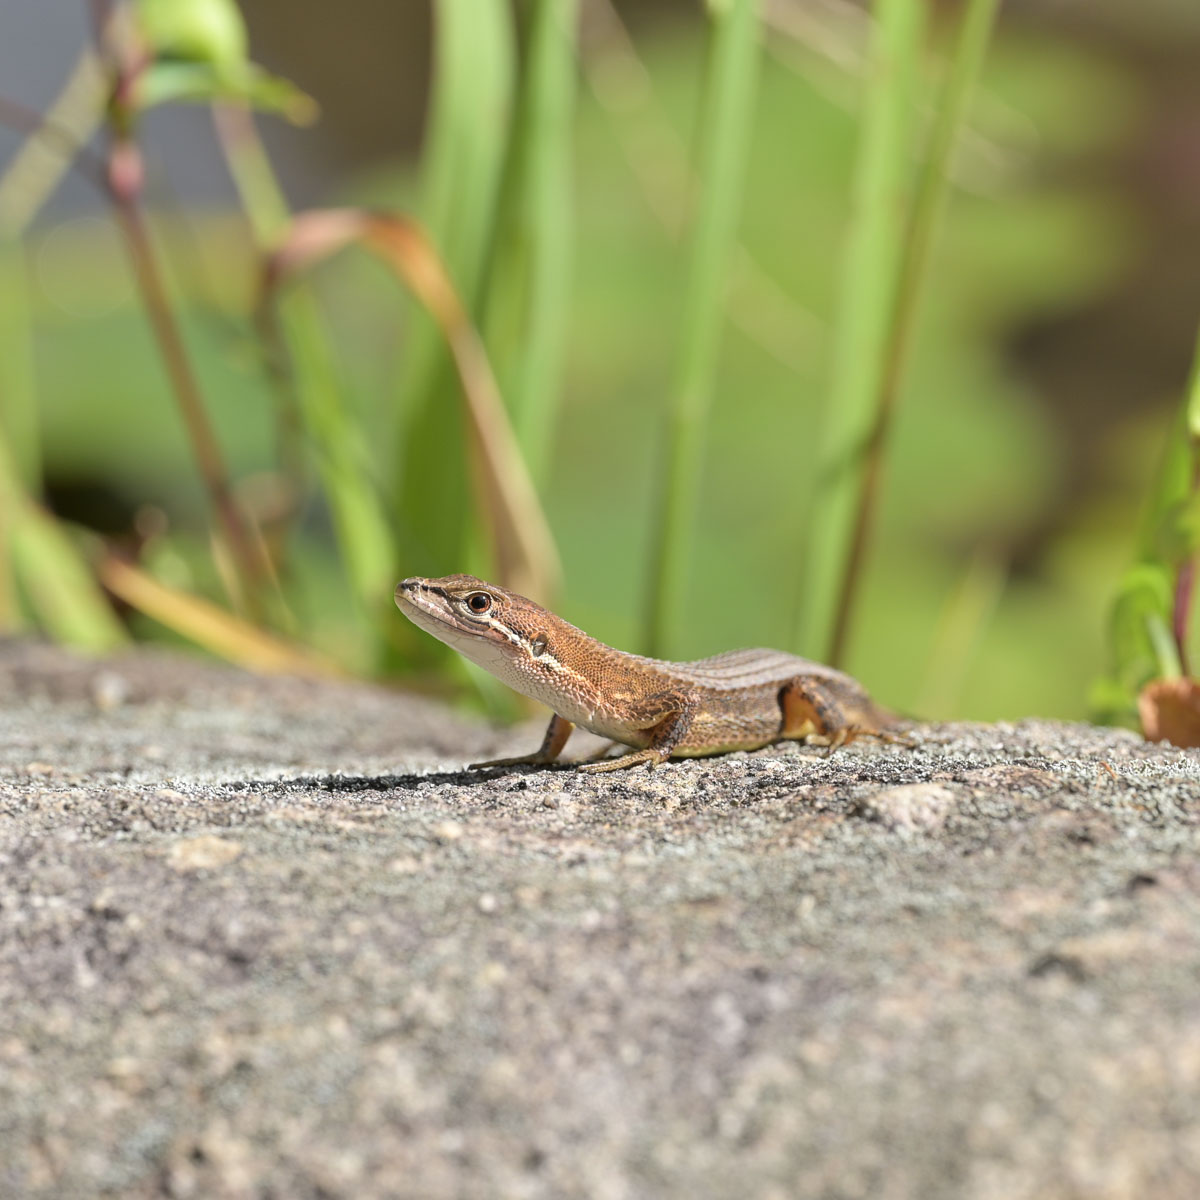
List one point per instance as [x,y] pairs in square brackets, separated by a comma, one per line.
[538,645]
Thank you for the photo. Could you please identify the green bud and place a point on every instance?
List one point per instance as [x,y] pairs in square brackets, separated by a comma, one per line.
[210,31]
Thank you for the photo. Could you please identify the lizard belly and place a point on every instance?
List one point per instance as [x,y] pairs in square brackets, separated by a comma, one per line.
[732,721]
[581,710]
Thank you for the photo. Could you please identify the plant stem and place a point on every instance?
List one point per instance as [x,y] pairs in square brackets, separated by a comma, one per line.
[474,67]
[527,280]
[166,331]
[726,125]
[1185,575]
[974,32]
[868,290]
[313,398]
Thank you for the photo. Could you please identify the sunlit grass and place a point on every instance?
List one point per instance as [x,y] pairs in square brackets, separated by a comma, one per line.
[724,123]
[601,315]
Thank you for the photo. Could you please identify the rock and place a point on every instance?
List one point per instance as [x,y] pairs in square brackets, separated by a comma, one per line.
[301,952]
[910,808]
[203,853]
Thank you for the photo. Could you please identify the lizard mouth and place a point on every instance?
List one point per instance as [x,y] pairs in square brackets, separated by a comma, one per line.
[417,598]
[431,608]
[406,589]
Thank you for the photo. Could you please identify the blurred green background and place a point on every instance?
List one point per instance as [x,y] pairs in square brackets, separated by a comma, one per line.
[1049,360]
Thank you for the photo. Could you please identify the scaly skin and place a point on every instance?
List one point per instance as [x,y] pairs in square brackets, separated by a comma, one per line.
[741,700]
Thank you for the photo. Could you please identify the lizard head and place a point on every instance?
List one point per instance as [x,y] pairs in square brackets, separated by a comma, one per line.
[486,623]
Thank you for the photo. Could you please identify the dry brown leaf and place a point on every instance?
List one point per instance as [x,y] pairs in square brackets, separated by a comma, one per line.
[1170,711]
[202,622]
[525,554]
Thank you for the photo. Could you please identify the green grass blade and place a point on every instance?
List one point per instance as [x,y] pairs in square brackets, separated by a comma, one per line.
[528,277]
[1153,598]
[18,412]
[657,158]
[1193,396]
[60,587]
[258,189]
[968,610]
[474,65]
[51,572]
[868,289]
[33,173]
[726,125]
[343,461]
[18,405]
[332,432]
[974,34]
[37,557]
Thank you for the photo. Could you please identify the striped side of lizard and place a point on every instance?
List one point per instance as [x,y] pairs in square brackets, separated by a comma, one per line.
[741,700]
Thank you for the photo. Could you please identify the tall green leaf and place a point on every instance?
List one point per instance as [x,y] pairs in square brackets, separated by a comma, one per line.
[53,575]
[528,275]
[474,63]
[38,560]
[1152,608]
[726,124]
[870,269]
[332,433]
[18,413]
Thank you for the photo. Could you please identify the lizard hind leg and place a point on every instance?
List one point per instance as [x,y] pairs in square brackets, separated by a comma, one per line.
[811,713]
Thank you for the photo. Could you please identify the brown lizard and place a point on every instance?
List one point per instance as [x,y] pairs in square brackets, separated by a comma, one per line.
[741,700]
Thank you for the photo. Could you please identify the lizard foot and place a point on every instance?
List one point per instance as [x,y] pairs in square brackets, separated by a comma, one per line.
[650,757]
[521,760]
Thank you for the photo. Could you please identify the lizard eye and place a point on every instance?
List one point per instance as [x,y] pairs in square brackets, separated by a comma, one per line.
[479,602]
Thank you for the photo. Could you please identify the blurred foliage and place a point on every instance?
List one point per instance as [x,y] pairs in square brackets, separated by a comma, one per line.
[199,52]
[1151,615]
[973,464]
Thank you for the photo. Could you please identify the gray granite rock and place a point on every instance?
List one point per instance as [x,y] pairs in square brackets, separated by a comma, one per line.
[265,937]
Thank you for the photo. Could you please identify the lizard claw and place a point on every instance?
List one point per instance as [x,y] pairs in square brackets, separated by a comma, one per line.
[521,760]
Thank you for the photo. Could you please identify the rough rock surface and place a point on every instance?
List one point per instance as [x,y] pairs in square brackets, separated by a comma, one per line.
[265,937]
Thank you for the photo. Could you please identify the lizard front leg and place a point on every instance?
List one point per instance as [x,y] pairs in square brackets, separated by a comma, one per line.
[674,711]
[557,733]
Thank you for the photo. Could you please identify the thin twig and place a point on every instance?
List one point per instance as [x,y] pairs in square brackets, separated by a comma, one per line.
[204,442]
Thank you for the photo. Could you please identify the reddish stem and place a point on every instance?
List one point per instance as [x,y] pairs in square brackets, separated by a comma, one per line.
[124,186]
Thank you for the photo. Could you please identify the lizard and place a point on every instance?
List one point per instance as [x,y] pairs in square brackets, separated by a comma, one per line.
[740,700]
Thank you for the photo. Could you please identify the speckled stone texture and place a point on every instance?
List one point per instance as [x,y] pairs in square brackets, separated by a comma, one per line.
[265,938]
